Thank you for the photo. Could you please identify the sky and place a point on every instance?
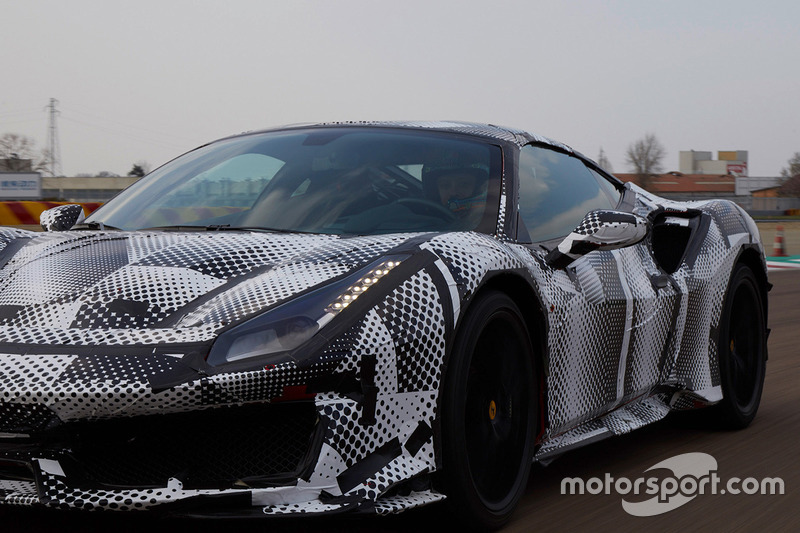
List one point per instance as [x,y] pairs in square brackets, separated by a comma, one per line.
[148,80]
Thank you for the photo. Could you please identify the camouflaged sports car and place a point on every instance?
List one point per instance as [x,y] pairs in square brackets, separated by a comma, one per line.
[363,317]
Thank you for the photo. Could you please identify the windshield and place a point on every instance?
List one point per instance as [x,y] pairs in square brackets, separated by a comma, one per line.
[326,180]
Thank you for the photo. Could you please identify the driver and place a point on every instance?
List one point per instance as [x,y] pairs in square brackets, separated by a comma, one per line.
[461,190]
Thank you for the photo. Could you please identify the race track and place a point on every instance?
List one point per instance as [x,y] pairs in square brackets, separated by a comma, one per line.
[767,449]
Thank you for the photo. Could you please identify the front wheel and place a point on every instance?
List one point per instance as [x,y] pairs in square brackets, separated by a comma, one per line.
[489,413]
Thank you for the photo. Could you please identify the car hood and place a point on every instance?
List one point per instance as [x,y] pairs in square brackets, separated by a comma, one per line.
[132,288]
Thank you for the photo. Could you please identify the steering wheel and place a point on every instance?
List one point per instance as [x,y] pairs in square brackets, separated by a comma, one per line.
[426,207]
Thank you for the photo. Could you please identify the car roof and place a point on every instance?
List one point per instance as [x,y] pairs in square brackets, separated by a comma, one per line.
[490,131]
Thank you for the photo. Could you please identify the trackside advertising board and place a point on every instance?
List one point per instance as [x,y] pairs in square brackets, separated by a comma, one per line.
[20,186]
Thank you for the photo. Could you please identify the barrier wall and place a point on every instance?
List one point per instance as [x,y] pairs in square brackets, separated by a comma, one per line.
[19,213]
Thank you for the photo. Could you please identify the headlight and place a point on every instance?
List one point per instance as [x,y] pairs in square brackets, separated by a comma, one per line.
[360,286]
[276,337]
[289,325]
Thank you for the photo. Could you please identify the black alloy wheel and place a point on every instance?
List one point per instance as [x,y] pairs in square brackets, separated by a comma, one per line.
[489,413]
[742,350]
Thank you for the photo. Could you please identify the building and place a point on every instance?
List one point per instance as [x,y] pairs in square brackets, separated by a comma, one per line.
[679,186]
[94,189]
[750,184]
[702,177]
[782,197]
[733,162]
[748,192]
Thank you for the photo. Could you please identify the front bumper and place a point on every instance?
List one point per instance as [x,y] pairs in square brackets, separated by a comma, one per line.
[254,460]
[90,432]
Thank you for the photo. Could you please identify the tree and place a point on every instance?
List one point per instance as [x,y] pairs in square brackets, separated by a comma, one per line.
[603,161]
[140,168]
[16,150]
[45,163]
[14,145]
[136,171]
[794,166]
[645,157]
[790,188]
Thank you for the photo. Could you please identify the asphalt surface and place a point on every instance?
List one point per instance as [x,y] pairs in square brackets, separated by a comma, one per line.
[767,449]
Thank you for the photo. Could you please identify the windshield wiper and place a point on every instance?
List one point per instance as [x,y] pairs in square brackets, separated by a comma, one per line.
[185,227]
[224,227]
[96,225]
[265,229]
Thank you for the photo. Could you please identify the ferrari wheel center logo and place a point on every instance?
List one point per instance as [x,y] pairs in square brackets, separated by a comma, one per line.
[492,410]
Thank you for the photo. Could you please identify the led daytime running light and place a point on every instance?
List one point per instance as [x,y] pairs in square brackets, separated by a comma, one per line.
[361,286]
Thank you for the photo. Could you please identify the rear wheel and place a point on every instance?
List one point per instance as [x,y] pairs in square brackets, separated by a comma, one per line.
[742,350]
[489,413]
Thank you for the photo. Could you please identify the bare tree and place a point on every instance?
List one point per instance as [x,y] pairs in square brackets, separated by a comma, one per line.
[16,150]
[603,161]
[14,144]
[794,166]
[44,163]
[645,157]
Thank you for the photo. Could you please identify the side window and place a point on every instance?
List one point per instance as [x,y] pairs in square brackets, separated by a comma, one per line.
[613,193]
[555,192]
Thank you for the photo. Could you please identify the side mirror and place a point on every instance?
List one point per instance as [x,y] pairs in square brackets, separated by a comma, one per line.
[599,230]
[62,217]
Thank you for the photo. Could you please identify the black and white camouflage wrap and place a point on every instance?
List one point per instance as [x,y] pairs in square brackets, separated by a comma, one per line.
[62,217]
[599,230]
[104,326]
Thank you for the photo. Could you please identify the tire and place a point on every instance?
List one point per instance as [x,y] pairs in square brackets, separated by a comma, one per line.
[742,351]
[489,413]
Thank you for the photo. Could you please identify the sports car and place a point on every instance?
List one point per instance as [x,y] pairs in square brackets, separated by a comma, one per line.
[363,317]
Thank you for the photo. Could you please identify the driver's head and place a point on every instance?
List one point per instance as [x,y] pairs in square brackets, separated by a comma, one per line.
[459,189]
[456,185]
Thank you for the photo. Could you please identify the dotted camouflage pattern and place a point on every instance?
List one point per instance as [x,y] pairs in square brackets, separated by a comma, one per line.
[62,217]
[600,230]
[107,326]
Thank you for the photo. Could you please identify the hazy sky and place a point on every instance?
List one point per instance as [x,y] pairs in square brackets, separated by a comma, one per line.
[148,80]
